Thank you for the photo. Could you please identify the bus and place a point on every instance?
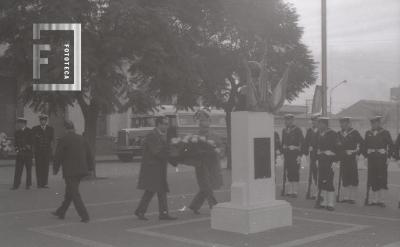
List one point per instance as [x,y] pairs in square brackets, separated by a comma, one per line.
[129,143]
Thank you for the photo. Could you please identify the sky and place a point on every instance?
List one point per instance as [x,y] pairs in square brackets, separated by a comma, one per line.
[363,47]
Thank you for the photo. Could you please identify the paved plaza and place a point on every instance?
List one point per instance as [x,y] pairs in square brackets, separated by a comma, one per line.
[25,218]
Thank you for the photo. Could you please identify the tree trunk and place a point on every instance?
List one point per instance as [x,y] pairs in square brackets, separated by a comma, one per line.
[90,115]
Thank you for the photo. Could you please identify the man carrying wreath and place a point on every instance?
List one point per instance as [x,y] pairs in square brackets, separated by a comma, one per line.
[207,167]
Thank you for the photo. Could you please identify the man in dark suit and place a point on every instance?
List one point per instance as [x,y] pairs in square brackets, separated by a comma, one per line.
[153,171]
[74,156]
[23,147]
[43,136]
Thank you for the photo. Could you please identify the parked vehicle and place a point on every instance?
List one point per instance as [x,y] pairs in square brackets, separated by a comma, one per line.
[130,140]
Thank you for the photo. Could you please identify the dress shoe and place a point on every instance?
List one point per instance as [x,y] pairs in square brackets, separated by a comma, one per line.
[86,220]
[140,216]
[381,204]
[61,217]
[329,208]
[167,217]
[351,202]
[27,187]
[319,206]
[14,188]
[195,211]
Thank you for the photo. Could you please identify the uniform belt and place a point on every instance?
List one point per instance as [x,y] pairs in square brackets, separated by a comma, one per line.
[326,152]
[291,147]
[350,152]
[377,150]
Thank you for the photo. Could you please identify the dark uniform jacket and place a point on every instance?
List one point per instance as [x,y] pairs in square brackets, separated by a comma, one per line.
[277,143]
[42,139]
[23,141]
[350,141]
[310,142]
[328,141]
[73,154]
[376,140]
[292,140]
[396,151]
[153,170]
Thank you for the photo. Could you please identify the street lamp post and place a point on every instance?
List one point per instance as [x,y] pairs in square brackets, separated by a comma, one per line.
[330,94]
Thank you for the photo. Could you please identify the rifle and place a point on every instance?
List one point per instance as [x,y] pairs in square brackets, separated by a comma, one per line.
[318,199]
[340,183]
[308,195]
[284,180]
[366,202]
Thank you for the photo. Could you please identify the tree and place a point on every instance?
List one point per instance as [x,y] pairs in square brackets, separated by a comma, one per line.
[150,39]
[248,27]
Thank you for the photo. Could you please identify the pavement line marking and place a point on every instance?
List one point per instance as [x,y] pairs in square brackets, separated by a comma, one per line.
[396,244]
[82,241]
[188,241]
[97,204]
[146,231]
[321,236]
[176,223]
[348,214]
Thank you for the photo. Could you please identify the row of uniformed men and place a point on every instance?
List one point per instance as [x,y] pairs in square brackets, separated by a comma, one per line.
[325,147]
[33,143]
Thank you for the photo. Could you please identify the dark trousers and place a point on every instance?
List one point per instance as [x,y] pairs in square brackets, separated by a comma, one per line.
[72,195]
[23,160]
[42,160]
[145,201]
[325,173]
[314,168]
[292,166]
[377,172]
[349,170]
[200,198]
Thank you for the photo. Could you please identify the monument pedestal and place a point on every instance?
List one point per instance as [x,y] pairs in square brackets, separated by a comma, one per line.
[253,207]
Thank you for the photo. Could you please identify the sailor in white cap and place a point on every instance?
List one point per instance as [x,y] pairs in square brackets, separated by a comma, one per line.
[43,138]
[378,149]
[292,142]
[350,146]
[327,145]
[310,149]
[23,148]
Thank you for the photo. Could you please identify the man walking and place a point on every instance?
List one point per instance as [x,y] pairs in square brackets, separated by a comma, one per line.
[378,148]
[43,136]
[23,148]
[153,171]
[350,146]
[208,169]
[327,154]
[292,141]
[310,149]
[74,156]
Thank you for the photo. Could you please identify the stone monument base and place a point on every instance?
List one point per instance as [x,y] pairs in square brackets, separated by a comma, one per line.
[251,219]
[253,207]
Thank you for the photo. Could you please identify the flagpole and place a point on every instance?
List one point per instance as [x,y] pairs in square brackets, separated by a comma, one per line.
[324,60]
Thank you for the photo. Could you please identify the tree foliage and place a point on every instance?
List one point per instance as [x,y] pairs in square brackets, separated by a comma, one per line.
[137,53]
